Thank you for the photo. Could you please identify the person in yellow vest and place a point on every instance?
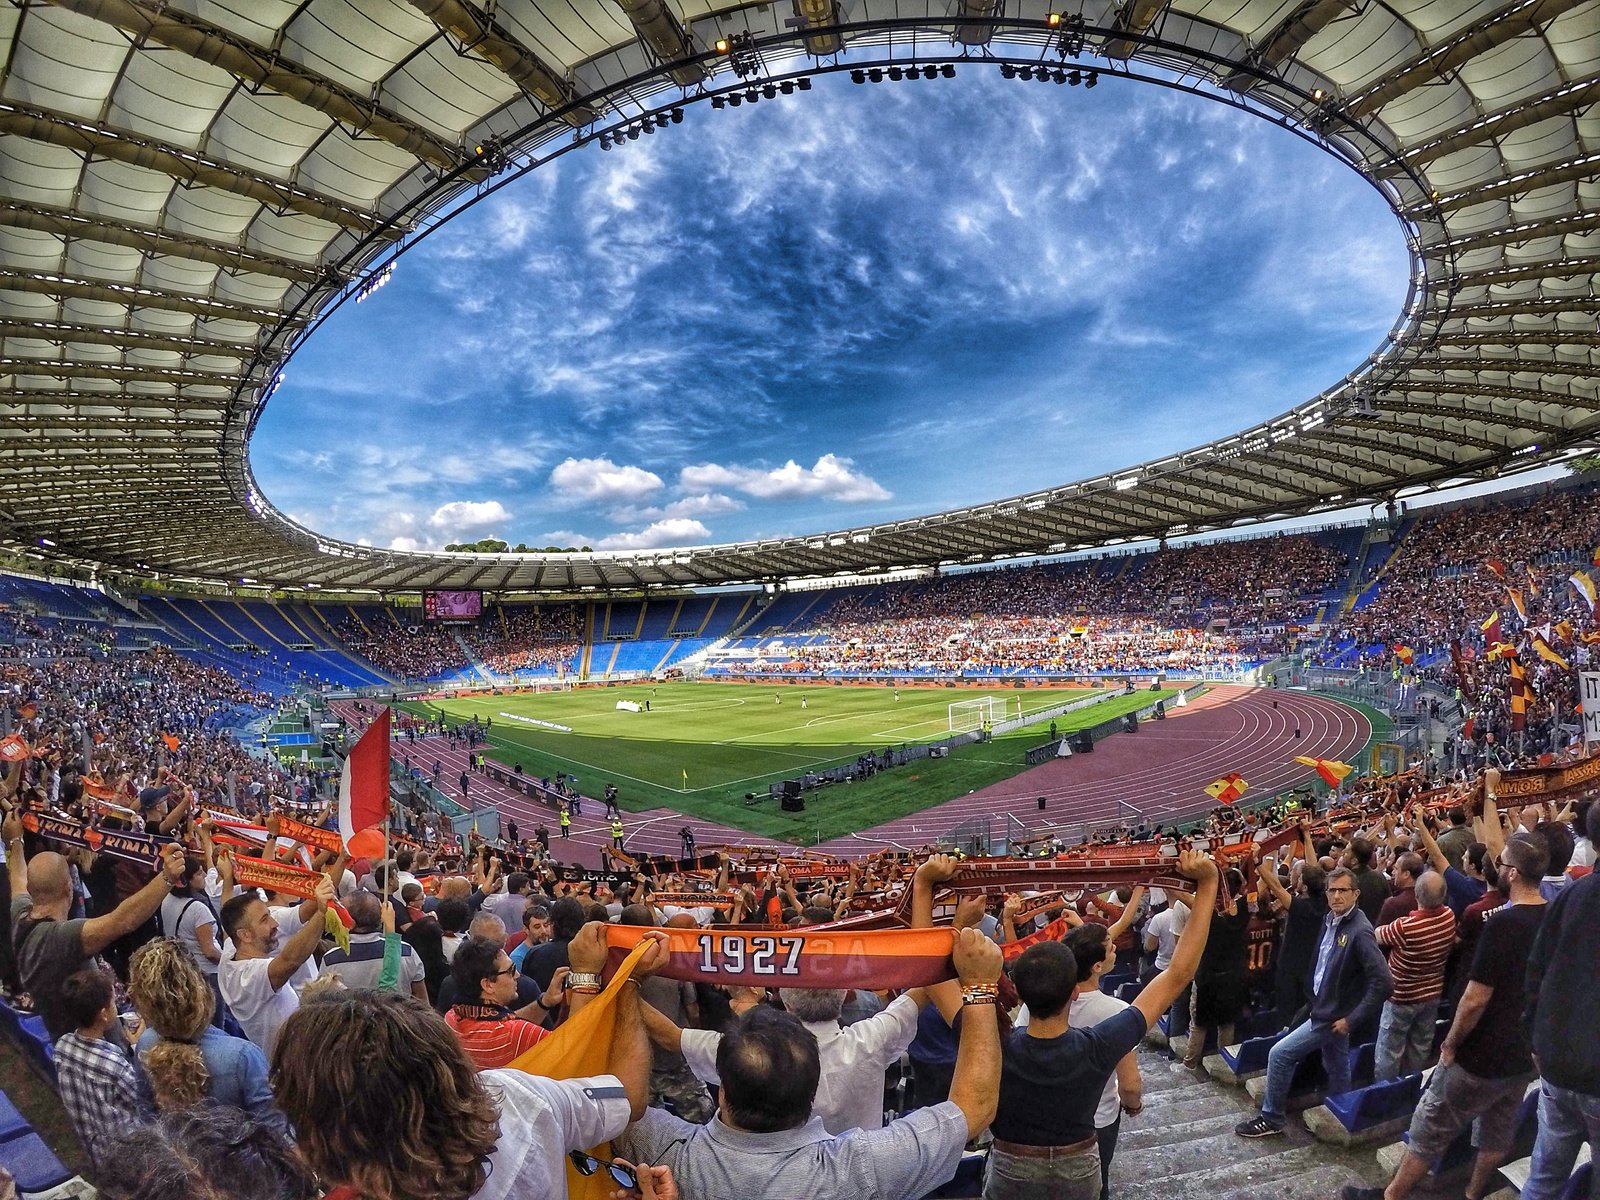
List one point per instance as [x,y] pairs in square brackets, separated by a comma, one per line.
[566,823]
[616,833]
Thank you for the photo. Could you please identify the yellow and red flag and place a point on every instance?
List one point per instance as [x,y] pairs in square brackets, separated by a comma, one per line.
[29,711]
[1331,770]
[1404,653]
[1498,567]
[1490,626]
[1543,650]
[1228,789]
[1519,697]
[1533,580]
[1516,602]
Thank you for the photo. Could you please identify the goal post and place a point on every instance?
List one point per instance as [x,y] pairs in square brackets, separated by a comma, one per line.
[976,714]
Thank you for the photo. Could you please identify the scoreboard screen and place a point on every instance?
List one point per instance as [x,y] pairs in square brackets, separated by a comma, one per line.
[452,606]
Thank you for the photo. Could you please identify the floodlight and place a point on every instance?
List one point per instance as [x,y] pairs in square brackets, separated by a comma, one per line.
[1093,78]
[770,92]
[721,45]
[717,102]
[858,76]
[735,99]
[804,83]
[1053,20]
[930,72]
[896,74]
[1007,71]
[1026,72]
[1074,78]
[876,75]
[677,116]
[949,70]
[787,87]
[752,95]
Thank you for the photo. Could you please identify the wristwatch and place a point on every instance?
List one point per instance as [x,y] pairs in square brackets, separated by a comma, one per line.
[577,979]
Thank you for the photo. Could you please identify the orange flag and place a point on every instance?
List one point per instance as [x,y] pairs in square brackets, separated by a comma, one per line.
[172,742]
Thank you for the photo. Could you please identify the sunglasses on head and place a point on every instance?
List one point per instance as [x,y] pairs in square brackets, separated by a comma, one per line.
[621,1173]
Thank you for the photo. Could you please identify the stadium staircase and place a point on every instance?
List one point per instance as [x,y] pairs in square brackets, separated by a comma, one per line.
[477,664]
[1182,1147]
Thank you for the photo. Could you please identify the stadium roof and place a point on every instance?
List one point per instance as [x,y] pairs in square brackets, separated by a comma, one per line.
[186,186]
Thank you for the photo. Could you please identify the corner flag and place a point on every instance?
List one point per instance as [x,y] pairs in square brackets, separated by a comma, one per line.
[364,786]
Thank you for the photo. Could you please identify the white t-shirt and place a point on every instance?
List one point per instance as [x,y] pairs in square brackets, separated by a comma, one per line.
[1090,1008]
[1166,927]
[541,1121]
[247,989]
[451,942]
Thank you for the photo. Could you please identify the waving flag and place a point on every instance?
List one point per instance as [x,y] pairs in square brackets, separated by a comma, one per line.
[1533,580]
[1331,770]
[1498,567]
[1228,789]
[171,741]
[13,749]
[1404,653]
[364,786]
[1519,697]
[1516,602]
[1584,586]
[1490,626]
[1542,649]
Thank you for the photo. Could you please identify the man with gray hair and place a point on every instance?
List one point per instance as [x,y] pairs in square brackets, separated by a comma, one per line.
[1349,983]
[362,964]
[1419,945]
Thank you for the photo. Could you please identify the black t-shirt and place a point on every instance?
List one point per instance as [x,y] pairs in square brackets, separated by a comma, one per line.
[1050,1087]
[1497,1048]
[540,963]
[1301,935]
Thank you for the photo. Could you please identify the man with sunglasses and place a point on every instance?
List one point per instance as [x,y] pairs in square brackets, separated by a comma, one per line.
[1485,1064]
[1349,983]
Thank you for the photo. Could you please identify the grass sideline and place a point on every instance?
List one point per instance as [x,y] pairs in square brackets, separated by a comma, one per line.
[731,739]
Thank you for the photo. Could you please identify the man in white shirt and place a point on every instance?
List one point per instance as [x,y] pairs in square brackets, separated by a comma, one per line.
[259,964]
[854,1058]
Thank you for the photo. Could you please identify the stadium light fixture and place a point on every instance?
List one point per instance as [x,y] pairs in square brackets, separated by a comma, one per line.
[1092,78]
[677,116]
[876,75]
[1007,71]
[717,102]
[858,76]
[930,72]
[948,70]
[1026,72]
[896,74]
[721,45]
[770,91]
[786,87]
[1053,20]
[804,83]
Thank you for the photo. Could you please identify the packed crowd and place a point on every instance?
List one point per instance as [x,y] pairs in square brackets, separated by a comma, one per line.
[541,639]
[409,651]
[1474,597]
[384,1024]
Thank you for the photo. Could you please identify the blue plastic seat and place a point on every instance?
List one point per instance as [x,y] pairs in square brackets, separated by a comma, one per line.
[1376,1103]
[1362,1059]
[1250,1057]
[37,1045]
[12,1123]
[32,1164]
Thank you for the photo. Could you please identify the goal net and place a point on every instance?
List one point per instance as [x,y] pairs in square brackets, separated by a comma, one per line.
[977,714]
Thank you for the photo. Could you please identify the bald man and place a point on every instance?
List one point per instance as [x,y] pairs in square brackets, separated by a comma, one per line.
[49,947]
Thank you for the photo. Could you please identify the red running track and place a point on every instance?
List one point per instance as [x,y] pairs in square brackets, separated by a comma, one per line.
[1162,770]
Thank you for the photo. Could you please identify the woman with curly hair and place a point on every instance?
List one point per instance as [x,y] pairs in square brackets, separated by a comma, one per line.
[188,1059]
[388,1106]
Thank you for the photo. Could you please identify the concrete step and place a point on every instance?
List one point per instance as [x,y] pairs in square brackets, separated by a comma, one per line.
[1182,1147]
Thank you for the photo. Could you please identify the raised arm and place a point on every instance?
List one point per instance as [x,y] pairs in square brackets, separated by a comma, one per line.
[299,948]
[1157,995]
[975,1085]
[1130,914]
[16,864]
[631,1055]
[1267,872]
[100,932]
[1419,821]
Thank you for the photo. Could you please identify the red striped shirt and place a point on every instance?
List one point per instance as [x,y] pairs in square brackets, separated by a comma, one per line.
[492,1037]
[1419,944]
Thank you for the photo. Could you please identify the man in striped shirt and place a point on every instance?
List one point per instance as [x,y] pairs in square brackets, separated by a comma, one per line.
[1419,943]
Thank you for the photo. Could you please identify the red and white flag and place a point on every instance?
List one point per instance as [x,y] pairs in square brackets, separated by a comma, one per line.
[364,787]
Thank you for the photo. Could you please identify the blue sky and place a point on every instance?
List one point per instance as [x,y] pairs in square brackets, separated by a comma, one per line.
[834,308]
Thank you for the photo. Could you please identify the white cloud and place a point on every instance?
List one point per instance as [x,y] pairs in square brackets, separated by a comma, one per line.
[704,505]
[832,478]
[461,517]
[676,531]
[405,543]
[603,481]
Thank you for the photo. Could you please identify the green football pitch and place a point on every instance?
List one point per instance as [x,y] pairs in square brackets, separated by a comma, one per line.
[703,747]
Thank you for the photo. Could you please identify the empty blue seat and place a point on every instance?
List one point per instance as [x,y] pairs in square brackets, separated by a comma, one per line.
[1250,1057]
[1377,1103]
[1361,1064]
[37,1044]
[1259,1024]
[12,1122]
[32,1164]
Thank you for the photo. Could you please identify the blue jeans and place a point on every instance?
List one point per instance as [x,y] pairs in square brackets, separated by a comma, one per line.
[1405,1038]
[1293,1049]
[1566,1120]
